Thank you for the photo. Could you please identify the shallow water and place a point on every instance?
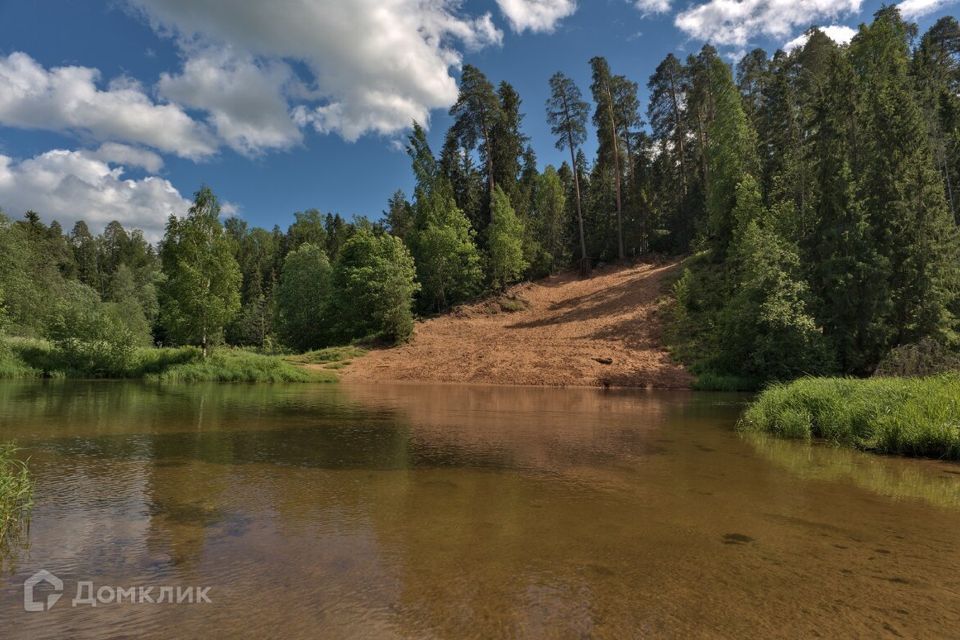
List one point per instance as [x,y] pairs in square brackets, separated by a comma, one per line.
[466,512]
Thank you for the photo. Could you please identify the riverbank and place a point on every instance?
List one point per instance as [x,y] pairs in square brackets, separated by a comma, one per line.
[603,331]
[31,358]
[906,416]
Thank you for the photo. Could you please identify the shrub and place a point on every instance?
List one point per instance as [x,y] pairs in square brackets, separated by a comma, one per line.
[925,358]
[94,340]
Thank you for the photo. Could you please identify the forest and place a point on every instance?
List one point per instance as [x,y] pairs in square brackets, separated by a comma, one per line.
[813,194]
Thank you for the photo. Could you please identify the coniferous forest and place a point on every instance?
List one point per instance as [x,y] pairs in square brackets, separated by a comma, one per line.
[814,194]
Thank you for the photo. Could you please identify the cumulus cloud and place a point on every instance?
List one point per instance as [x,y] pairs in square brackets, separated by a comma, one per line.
[244,97]
[732,22]
[536,15]
[913,9]
[126,155]
[68,99]
[375,65]
[838,33]
[648,7]
[80,185]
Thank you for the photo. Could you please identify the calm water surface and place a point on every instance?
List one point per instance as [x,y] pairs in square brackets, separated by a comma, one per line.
[466,512]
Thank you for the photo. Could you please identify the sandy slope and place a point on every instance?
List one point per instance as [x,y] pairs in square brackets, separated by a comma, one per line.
[556,341]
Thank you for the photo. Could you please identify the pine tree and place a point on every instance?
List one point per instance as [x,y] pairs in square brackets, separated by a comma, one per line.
[608,134]
[730,154]
[911,227]
[477,113]
[567,116]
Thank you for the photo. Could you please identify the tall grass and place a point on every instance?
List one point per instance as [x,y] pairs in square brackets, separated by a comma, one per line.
[230,365]
[32,358]
[16,494]
[906,416]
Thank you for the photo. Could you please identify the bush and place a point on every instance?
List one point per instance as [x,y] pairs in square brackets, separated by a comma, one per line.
[925,358]
[94,340]
[915,417]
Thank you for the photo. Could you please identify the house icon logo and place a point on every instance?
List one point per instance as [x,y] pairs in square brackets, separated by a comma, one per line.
[32,583]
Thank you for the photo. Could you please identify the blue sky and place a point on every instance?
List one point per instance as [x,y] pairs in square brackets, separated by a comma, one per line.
[120,109]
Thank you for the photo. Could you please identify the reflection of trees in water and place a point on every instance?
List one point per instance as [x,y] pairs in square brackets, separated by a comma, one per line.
[378,497]
[937,483]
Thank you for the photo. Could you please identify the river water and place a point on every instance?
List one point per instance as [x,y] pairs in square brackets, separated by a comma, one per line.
[411,511]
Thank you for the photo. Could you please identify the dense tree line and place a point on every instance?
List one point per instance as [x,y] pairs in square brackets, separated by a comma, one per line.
[816,191]
[826,237]
[97,298]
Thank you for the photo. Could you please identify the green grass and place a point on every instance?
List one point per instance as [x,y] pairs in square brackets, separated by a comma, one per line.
[16,494]
[234,365]
[906,416]
[13,366]
[329,355]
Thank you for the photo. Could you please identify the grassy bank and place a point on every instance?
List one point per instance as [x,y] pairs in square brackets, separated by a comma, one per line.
[16,493]
[906,416]
[30,358]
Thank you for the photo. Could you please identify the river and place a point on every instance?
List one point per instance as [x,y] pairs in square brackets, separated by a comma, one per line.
[433,511]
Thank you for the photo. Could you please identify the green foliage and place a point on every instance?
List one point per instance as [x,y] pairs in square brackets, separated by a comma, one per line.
[505,242]
[201,293]
[303,314]
[730,154]
[916,416]
[447,260]
[374,281]
[16,495]
[439,235]
[95,339]
[546,239]
[766,329]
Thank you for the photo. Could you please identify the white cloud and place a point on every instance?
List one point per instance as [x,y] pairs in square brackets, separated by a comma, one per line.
[838,33]
[244,97]
[76,185]
[115,153]
[913,9]
[735,22]
[376,65]
[536,15]
[68,99]
[647,7]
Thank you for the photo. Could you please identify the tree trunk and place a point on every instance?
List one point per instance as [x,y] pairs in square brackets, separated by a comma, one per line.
[584,261]
[616,168]
[491,185]
[678,132]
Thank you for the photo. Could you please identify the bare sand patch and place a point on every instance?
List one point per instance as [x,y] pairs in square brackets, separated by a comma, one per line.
[601,331]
